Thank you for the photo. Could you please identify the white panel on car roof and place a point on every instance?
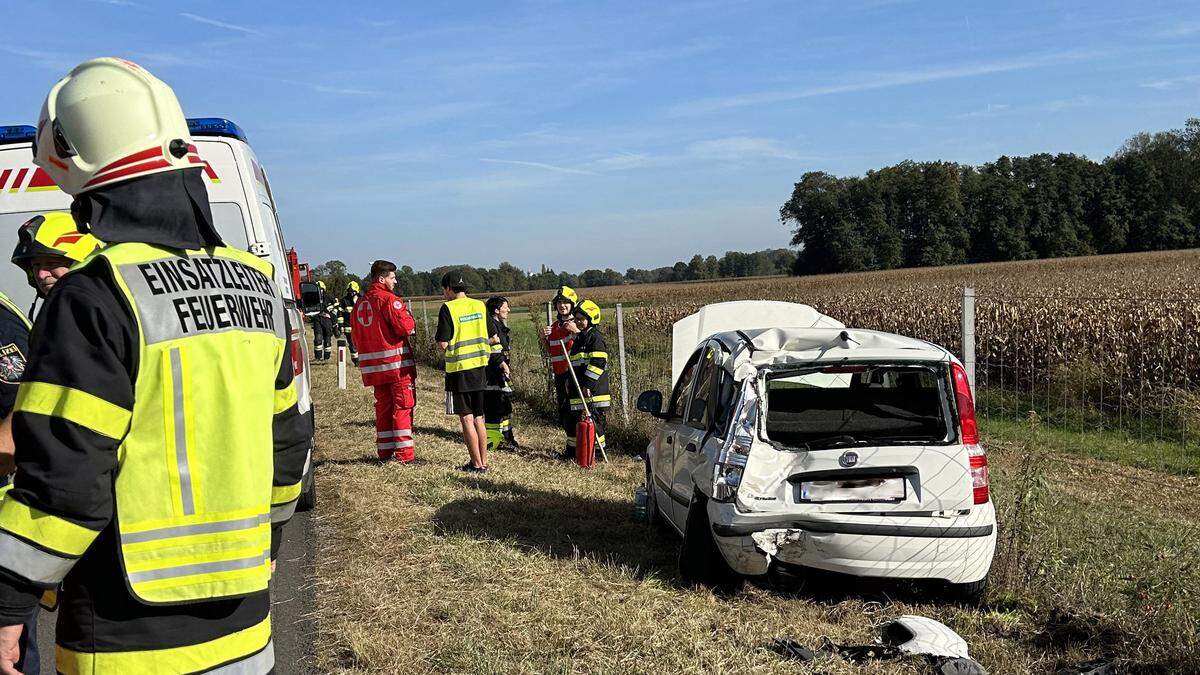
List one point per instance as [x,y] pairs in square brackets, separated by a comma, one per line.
[739,315]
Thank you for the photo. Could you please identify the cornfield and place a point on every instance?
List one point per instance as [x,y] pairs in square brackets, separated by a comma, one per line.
[1105,343]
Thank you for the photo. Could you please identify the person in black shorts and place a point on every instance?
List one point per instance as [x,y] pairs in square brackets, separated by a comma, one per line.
[462,335]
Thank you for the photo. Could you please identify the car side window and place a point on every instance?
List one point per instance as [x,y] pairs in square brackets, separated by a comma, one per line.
[705,383]
[679,397]
[727,393]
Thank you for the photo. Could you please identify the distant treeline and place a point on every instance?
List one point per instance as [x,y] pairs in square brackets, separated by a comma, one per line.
[1145,197]
[508,277]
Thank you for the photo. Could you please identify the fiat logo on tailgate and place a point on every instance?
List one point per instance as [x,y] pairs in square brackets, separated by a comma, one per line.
[848,459]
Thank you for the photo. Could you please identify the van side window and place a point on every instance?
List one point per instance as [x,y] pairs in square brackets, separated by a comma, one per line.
[227,218]
[679,397]
[705,383]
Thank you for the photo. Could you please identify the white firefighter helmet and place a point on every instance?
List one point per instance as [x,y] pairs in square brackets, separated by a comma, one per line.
[110,120]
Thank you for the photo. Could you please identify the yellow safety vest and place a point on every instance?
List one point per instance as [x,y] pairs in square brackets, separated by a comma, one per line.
[195,464]
[469,347]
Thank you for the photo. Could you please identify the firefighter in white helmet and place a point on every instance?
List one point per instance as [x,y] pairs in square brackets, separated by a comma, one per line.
[159,447]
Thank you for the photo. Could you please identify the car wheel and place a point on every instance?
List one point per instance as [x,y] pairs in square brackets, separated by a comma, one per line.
[700,561]
[968,594]
[308,492]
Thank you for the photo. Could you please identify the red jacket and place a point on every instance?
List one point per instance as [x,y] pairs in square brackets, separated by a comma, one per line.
[558,358]
[383,327]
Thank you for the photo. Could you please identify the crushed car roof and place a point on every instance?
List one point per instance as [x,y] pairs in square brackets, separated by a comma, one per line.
[784,347]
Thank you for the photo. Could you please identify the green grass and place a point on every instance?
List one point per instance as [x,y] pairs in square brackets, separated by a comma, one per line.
[538,566]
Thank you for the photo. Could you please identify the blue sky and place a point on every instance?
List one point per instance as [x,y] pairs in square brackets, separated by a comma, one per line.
[614,134]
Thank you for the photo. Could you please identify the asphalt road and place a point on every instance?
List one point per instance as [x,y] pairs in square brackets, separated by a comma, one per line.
[291,605]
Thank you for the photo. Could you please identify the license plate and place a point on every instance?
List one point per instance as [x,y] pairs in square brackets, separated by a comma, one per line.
[885,490]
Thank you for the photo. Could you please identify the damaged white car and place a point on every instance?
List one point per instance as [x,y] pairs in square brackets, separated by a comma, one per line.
[791,440]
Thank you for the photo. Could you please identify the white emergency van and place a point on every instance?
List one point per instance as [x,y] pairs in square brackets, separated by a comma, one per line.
[243,211]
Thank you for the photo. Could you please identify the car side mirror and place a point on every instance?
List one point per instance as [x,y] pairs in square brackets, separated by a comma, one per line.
[651,402]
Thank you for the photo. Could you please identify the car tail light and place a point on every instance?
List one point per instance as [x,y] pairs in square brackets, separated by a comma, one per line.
[969,431]
[731,463]
[297,354]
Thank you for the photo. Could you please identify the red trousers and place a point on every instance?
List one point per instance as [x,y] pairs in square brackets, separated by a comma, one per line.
[394,403]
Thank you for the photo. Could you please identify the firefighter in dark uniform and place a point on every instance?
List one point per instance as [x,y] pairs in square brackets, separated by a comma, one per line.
[158,440]
[349,299]
[322,323]
[589,360]
[14,348]
[497,398]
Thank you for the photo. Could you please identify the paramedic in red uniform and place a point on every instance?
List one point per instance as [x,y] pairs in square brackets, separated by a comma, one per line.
[383,327]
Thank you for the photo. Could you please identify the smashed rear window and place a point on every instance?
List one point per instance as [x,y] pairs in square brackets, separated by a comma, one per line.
[847,406]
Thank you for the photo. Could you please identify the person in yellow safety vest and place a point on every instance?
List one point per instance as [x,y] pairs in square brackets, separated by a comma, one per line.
[462,334]
[589,360]
[159,446]
[47,246]
[349,299]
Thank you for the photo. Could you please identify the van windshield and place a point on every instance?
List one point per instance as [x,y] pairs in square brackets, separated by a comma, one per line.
[847,406]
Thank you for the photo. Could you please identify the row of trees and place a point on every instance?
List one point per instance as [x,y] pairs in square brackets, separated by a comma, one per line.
[508,277]
[1146,196]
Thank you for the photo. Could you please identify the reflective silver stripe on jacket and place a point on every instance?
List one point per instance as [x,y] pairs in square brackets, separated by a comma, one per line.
[455,346]
[181,458]
[200,568]
[31,562]
[199,528]
[388,366]
[255,664]
[283,512]
[383,354]
[464,357]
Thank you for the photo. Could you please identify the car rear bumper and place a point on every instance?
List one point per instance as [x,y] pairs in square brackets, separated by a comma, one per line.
[956,549]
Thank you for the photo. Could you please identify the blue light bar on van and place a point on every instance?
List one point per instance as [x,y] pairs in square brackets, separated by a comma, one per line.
[215,126]
[19,133]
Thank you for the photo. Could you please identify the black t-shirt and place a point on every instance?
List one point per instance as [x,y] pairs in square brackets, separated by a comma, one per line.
[14,349]
[474,379]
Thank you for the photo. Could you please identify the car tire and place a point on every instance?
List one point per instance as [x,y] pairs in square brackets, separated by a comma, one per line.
[970,593]
[700,561]
[308,492]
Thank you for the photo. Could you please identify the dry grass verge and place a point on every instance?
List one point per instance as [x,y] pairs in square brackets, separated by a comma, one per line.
[538,567]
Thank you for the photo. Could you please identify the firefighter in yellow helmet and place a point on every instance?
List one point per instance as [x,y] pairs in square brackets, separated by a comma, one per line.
[589,360]
[159,447]
[47,246]
[349,299]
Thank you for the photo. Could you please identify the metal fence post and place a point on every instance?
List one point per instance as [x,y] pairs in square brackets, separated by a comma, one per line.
[968,335]
[341,366]
[621,349]
[425,312]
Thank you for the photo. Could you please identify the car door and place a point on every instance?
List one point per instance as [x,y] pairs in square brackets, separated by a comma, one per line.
[664,456]
[691,434]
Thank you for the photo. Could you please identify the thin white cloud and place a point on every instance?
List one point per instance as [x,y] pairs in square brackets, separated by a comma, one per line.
[119,3]
[623,161]
[345,91]
[881,81]
[1179,30]
[51,60]
[538,165]
[1053,106]
[220,24]
[990,110]
[741,148]
[1059,105]
[1171,83]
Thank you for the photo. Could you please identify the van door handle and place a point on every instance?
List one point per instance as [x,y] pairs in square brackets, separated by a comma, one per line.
[691,447]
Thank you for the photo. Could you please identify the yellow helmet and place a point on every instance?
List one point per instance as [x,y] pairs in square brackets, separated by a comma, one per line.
[109,120]
[354,286]
[589,309]
[321,285]
[568,294]
[52,234]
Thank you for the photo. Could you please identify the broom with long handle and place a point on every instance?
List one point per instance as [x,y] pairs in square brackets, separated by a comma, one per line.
[587,413]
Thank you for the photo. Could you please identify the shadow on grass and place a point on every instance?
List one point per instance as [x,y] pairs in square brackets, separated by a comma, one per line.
[559,525]
[365,460]
[454,436]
